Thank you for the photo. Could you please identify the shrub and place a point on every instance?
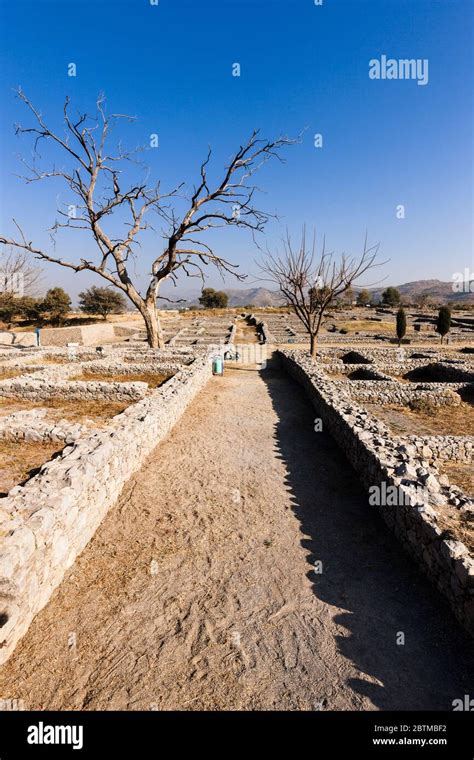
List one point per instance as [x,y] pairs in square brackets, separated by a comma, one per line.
[57,304]
[103,301]
[213,299]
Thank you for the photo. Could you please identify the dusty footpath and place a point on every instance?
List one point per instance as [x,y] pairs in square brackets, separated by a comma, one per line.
[199,589]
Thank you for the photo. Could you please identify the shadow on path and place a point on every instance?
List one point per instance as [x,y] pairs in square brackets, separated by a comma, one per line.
[366,573]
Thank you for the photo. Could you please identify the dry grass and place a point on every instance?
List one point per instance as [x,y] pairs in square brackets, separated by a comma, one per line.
[444,420]
[460,475]
[366,325]
[66,360]
[71,410]
[336,375]
[399,379]
[9,374]
[154,379]
[20,460]
[456,525]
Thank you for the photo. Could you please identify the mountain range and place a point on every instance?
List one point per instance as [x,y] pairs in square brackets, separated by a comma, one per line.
[439,291]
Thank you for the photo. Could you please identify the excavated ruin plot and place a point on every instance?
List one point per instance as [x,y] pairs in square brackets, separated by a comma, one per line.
[153,379]
[443,420]
[354,357]
[365,374]
[8,374]
[448,372]
[93,411]
[460,475]
[399,378]
[456,525]
[62,359]
[19,461]
[336,376]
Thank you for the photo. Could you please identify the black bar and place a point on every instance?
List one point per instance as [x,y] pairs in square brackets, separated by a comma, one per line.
[154,734]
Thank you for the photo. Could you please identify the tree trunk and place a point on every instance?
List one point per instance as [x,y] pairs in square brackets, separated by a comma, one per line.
[313,345]
[154,333]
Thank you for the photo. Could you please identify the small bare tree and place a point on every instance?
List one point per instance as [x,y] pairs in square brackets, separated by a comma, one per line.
[94,176]
[18,275]
[310,283]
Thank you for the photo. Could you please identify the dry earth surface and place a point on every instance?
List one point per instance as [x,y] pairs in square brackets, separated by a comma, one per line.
[199,589]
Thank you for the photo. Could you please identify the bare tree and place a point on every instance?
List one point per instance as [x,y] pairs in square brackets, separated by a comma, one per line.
[18,276]
[94,177]
[310,283]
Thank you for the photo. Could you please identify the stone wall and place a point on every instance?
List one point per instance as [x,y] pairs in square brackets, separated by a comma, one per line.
[432,394]
[384,462]
[233,330]
[444,448]
[38,382]
[8,338]
[47,522]
[27,387]
[31,426]
[86,335]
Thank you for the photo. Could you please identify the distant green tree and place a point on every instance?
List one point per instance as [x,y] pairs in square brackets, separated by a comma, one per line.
[8,308]
[30,308]
[363,297]
[103,301]
[25,307]
[213,299]
[391,297]
[443,324]
[401,324]
[57,304]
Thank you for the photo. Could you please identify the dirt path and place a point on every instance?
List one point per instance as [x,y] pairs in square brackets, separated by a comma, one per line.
[199,591]
[245,333]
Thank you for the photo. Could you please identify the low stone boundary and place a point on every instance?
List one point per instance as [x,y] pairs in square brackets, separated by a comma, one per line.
[449,448]
[35,390]
[51,381]
[266,333]
[379,392]
[31,426]
[27,339]
[105,367]
[233,330]
[46,523]
[417,339]
[382,462]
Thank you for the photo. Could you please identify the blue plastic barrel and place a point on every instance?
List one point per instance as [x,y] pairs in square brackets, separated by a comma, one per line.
[217,366]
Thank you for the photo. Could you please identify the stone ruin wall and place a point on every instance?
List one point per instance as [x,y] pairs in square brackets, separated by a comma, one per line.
[379,457]
[47,522]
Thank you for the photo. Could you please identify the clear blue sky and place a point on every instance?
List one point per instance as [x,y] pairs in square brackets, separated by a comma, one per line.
[302,66]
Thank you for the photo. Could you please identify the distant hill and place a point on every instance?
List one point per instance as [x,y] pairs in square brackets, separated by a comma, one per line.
[438,290]
[255,296]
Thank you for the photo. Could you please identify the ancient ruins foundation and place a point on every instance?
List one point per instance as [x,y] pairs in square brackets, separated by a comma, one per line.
[47,521]
[432,518]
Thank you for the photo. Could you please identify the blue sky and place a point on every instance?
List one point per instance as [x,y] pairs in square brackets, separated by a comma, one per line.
[385,143]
